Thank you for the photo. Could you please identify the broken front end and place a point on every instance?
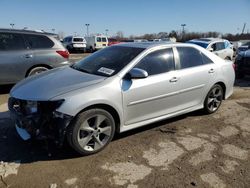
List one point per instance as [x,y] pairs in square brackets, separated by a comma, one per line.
[39,119]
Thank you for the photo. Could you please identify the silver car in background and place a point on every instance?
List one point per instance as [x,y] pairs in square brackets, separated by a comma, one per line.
[24,53]
[117,89]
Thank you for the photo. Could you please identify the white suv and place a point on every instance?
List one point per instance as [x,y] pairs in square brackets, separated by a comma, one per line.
[220,47]
[74,44]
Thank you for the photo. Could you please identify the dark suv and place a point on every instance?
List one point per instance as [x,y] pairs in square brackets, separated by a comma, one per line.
[242,63]
[24,53]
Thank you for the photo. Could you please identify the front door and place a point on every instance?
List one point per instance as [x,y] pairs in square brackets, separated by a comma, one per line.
[154,96]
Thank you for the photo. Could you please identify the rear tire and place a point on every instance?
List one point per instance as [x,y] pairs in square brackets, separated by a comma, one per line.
[91,131]
[213,99]
[36,70]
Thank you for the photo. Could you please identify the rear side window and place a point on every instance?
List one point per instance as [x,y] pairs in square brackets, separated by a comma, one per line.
[157,62]
[39,41]
[104,39]
[11,41]
[206,60]
[189,57]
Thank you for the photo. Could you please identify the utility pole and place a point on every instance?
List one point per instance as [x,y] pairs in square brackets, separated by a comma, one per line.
[183,30]
[12,25]
[243,28]
[87,25]
[106,32]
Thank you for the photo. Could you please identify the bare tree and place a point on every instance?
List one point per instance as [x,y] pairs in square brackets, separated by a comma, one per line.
[61,34]
[119,35]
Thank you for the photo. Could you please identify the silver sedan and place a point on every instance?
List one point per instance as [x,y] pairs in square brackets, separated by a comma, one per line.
[117,89]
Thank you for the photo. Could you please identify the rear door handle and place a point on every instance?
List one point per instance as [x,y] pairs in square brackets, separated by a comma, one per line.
[211,71]
[28,55]
[174,79]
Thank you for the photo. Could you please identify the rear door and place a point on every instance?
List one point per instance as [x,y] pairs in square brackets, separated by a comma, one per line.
[195,75]
[43,51]
[14,57]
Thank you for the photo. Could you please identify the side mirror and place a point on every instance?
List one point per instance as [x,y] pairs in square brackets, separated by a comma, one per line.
[137,73]
[210,49]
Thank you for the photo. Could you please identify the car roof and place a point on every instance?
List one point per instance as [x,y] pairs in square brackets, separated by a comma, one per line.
[144,44]
[207,40]
[24,31]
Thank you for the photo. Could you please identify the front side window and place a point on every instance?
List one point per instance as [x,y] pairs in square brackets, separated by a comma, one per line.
[98,39]
[109,61]
[11,41]
[39,41]
[189,57]
[157,62]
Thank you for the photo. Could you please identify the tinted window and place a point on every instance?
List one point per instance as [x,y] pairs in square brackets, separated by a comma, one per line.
[11,41]
[189,57]
[206,60]
[218,46]
[104,40]
[78,39]
[158,62]
[108,61]
[39,41]
[98,39]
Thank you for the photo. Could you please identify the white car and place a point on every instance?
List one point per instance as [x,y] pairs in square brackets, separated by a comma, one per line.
[220,47]
[96,42]
[74,43]
[119,88]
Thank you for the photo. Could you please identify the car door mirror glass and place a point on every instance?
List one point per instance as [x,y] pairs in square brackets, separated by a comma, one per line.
[137,73]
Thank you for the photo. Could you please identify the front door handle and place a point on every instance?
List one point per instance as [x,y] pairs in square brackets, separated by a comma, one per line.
[211,71]
[28,56]
[174,79]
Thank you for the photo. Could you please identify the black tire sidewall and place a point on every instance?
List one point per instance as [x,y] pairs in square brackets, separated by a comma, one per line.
[72,133]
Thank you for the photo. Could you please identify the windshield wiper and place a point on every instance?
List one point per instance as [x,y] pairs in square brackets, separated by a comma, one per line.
[79,69]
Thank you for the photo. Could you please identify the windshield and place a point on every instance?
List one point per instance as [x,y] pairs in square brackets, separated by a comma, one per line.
[202,44]
[109,61]
[78,39]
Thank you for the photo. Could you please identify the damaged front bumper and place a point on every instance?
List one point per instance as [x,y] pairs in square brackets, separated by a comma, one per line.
[39,120]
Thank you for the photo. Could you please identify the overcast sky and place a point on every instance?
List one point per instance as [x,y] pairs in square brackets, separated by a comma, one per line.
[133,17]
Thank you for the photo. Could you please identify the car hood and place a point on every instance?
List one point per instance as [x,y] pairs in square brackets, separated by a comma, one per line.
[53,83]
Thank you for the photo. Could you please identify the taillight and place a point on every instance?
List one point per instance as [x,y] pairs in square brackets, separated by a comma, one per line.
[64,53]
[234,66]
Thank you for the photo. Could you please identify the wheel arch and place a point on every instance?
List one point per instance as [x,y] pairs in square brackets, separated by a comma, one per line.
[109,109]
[37,65]
[223,85]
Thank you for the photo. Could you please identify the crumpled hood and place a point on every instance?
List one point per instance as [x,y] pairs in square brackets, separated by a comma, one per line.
[53,83]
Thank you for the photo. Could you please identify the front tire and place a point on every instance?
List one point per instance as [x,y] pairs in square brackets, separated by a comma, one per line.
[91,131]
[213,99]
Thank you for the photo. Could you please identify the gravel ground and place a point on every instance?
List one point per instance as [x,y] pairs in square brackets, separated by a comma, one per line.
[193,150]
